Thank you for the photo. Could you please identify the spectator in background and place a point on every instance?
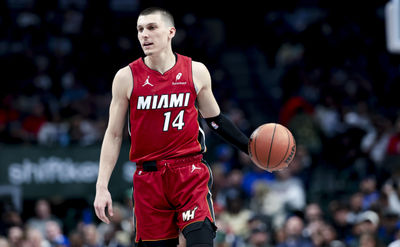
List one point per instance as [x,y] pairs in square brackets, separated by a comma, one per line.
[8,117]
[370,193]
[294,227]
[394,139]
[261,234]
[396,242]
[113,238]
[233,181]
[219,186]
[9,218]
[253,176]
[365,228]
[236,215]
[55,235]
[119,230]
[4,242]
[298,115]
[313,213]
[224,156]
[284,196]
[15,236]
[54,132]
[90,236]
[327,116]
[324,234]
[32,123]
[330,236]
[257,201]
[388,227]
[75,239]
[83,131]
[392,191]
[375,142]
[313,218]
[368,240]
[301,165]
[355,208]
[42,216]
[259,237]
[35,238]
[340,219]
[359,117]
[225,237]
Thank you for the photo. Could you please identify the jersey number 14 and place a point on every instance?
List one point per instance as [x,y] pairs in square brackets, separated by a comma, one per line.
[176,123]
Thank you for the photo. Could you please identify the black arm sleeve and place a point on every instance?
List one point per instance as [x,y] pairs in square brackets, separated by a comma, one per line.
[227,130]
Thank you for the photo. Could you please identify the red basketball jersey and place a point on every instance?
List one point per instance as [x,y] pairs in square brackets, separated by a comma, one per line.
[163,118]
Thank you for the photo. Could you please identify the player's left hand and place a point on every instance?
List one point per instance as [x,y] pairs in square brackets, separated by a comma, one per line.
[103,200]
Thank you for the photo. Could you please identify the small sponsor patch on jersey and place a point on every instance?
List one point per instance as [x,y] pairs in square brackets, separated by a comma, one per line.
[178,76]
[179,83]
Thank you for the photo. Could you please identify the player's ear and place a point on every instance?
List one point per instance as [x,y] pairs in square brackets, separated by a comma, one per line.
[172,32]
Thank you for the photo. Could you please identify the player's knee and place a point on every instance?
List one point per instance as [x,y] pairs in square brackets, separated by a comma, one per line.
[200,234]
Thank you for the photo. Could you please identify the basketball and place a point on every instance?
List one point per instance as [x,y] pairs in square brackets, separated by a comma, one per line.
[272,147]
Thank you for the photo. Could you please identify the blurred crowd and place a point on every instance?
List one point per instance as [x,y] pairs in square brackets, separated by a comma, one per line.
[318,67]
[44,229]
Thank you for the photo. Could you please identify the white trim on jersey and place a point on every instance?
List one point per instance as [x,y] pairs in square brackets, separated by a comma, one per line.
[204,137]
[195,88]
[129,123]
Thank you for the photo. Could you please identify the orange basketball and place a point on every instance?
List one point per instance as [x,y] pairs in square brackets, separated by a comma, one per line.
[272,147]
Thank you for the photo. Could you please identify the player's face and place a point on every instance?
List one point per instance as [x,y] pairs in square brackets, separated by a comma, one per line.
[154,34]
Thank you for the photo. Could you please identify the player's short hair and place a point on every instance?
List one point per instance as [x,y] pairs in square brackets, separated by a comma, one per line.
[164,13]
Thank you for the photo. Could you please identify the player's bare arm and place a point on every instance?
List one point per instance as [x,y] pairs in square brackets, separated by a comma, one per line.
[210,111]
[122,86]
[208,106]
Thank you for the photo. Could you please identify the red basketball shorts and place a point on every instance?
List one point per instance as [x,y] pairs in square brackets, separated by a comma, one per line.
[171,198]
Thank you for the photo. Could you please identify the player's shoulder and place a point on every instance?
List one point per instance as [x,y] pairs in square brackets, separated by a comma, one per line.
[201,76]
[123,79]
[124,74]
[199,68]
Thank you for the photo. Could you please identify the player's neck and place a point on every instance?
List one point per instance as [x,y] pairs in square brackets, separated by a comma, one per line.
[161,62]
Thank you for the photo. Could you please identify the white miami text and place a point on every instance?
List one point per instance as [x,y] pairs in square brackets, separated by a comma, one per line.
[163,101]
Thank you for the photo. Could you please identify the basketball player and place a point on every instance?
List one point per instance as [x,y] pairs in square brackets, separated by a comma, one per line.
[163,93]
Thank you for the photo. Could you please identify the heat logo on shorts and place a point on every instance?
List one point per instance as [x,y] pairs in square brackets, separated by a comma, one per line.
[189,214]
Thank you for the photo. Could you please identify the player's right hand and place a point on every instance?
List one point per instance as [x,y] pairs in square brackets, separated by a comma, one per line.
[103,200]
